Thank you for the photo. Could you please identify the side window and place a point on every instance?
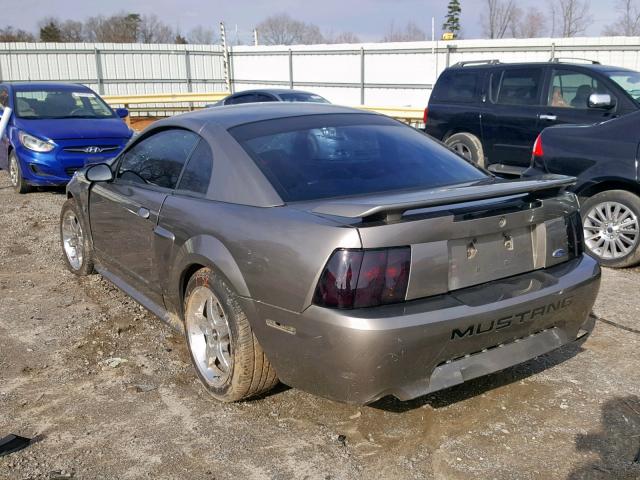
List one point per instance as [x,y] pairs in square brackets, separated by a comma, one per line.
[261,97]
[570,89]
[457,87]
[4,97]
[494,85]
[197,173]
[158,159]
[241,99]
[520,86]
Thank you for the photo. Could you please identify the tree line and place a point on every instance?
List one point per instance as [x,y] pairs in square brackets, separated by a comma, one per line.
[499,19]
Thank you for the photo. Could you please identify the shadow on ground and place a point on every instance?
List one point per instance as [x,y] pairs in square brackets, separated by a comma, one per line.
[617,443]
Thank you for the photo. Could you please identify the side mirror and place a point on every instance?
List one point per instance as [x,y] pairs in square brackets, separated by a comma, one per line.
[601,100]
[100,172]
[122,112]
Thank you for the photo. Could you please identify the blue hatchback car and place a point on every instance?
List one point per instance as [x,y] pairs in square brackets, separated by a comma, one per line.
[56,129]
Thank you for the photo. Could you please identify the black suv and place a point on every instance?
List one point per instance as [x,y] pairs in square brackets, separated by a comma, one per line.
[491,112]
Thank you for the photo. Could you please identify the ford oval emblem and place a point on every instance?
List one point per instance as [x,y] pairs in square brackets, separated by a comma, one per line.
[559,253]
[502,222]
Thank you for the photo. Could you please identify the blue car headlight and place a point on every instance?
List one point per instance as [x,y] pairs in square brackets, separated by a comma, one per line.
[35,144]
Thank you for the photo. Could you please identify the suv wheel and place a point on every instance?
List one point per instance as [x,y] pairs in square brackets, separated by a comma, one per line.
[611,222]
[467,145]
[15,174]
[228,358]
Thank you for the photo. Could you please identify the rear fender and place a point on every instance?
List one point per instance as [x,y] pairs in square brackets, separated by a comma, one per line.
[206,251]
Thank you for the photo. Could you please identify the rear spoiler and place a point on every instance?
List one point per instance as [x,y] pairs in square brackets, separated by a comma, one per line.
[392,206]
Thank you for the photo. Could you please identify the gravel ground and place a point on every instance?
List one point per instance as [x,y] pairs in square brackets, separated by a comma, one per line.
[108,392]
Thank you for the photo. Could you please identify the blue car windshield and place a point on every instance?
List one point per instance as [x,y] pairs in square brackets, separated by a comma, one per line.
[322,156]
[50,104]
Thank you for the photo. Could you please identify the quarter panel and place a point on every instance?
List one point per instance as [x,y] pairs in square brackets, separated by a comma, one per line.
[273,255]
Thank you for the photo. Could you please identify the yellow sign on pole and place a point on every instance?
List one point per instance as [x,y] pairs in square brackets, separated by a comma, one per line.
[448,36]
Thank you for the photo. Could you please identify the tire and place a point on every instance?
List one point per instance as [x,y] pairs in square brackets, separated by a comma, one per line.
[611,222]
[77,249]
[467,145]
[224,350]
[15,174]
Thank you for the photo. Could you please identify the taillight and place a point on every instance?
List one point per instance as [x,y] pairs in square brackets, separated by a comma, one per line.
[537,147]
[364,278]
[575,234]
[425,116]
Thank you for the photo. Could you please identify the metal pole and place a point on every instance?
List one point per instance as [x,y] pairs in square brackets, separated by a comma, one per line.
[290,69]
[187,66]
[225,57]
[448,55]
[255,37]
[361,75]
[553,50]
[99,75]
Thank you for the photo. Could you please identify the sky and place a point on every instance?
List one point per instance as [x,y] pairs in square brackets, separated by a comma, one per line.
[369,19]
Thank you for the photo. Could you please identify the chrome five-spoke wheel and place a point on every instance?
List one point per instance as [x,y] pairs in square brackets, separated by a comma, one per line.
[611,230]
[72,239]
[209,336]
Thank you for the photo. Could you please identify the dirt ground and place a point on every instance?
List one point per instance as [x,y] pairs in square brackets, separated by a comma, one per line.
[574,414]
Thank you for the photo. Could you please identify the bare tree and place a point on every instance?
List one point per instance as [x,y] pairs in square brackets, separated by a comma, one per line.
[9,34]
[344,37]
[570,18]
[628,23]
[410,33]
[119,28]
[500,16]
[201,35]
[152,30]
[281,29]
[530,24]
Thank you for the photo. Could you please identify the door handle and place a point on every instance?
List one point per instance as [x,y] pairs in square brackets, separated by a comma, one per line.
[143,212]
[551,118]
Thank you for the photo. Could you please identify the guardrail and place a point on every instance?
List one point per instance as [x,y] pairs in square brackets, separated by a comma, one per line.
[158,103]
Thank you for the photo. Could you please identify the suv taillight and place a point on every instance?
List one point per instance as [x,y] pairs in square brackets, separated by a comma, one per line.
[364,278]
[425,116]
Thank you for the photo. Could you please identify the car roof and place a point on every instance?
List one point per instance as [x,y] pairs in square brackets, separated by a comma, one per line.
[275,91]
[29,86]
[229,116]
[588,66]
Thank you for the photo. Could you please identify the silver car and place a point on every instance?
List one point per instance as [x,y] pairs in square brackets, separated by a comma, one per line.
[338,251]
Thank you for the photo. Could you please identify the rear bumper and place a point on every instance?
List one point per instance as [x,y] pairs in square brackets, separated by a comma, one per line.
[411,349]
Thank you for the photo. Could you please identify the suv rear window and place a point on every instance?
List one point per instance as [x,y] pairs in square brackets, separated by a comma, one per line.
[456,86]
[321,156]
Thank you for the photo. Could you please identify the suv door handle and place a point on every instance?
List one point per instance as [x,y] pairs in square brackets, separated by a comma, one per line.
[551,118]
[143,212]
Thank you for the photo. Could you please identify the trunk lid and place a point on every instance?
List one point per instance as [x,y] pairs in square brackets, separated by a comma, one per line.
[465,235]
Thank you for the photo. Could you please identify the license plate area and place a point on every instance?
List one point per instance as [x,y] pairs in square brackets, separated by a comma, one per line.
[484,258]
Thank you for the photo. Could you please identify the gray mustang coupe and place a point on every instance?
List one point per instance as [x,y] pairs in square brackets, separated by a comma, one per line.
[338,251]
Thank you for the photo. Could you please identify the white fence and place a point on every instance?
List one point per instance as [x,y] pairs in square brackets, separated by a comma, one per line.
[384,74]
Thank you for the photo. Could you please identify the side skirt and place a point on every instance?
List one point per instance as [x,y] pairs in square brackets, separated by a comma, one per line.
[159,311]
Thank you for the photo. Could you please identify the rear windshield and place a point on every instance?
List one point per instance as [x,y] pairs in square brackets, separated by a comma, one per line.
[321,156]
[52,103]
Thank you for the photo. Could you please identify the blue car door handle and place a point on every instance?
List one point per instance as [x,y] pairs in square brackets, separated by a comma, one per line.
[143,212]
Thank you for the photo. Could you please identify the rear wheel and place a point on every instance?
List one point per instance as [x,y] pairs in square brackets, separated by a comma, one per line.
[611,222]
[467,145]
[15,174]
[226,354]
